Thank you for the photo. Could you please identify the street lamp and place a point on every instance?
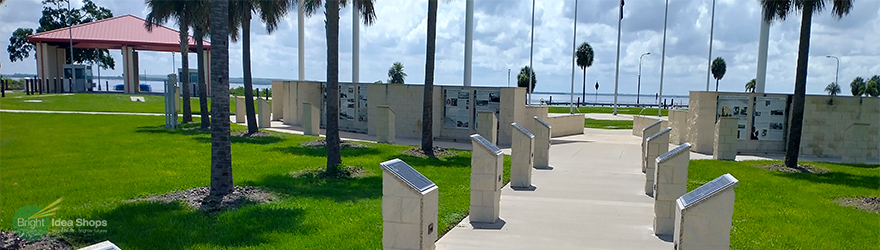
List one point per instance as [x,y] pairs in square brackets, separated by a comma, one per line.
[639,88]
[837,75]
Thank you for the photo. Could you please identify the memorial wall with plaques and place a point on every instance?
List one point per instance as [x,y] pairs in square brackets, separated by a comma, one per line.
[735,106]
[769,118]
[487,100]
[457,112]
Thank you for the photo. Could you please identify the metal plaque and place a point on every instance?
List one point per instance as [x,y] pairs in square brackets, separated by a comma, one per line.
[542,122]
[658,134]
[486,144]
[674,152]
[522,130]
[657,123]
[708,190]
[409,175]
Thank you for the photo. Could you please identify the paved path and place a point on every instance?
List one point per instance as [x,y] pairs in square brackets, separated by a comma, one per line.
[81,112]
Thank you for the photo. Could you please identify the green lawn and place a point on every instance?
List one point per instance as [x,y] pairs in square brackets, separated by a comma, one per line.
[95,102]
[608,124]
[97,162]
[607,110]
[776,210]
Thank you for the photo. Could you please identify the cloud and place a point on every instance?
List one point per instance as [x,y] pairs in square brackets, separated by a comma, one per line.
[502,40]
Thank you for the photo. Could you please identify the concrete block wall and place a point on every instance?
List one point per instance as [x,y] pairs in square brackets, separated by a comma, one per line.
[826,125]
[510,112]
[640,122]
[240,116]
[656,145]
[522,157]
[855,143]
[406,101]
[487,125]
[278,94]
[310,119]
[670,183]
[564,125]
[701,117]
[725,145]
[678,123]
[290,113]
[385,124]
[486,173]
[264,113]
[409,218]
[647,131]
[542,132]
[705,225]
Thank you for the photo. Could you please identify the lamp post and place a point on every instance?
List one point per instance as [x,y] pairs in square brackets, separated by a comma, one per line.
[836,75]
[639,88]
[662,59]
[508,77]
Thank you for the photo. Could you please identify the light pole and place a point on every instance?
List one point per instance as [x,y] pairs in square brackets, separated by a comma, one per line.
[573,57]
[836,75]
[639,88]
[508,77]
[662,59]
[531,55]
[711,34]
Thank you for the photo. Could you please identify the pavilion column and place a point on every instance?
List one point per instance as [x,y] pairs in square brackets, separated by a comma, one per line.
[130,70]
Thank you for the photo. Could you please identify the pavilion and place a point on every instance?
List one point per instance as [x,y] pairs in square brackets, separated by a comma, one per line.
[126,33]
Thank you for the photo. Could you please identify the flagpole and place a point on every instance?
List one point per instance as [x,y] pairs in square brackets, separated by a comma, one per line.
[573,56]
[711,34]
[662,59]
[617,67]
[531,53]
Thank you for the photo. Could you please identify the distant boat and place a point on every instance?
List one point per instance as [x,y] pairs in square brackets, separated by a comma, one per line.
[143,87]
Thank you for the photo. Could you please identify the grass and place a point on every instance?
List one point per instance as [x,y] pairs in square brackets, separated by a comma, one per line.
[607,110]
[95,103]
[96,163]
[608,124]
[776,210]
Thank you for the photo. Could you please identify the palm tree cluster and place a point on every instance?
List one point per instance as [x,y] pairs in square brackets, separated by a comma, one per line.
[859,87]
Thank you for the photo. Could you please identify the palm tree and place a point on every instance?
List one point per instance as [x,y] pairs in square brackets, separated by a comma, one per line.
[428,97]
[200,24]
[585,58]
[750,86]
[522,80]
[857,86]
[833,89]
[271,12]
[780,9]
[331,12]
[719,67]
[221,154]
[160,12]
[873,86]
[396,74]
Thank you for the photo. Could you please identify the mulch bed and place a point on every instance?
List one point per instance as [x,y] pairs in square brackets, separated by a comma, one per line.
[193,197]
[323,143]
[344,172]
[438,151]
[870,204]
[257,134]
[800,168]
[11,241]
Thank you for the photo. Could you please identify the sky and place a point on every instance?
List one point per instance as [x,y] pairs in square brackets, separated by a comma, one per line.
[502,39]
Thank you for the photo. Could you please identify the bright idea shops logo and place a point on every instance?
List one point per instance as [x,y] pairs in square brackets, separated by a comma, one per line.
[32,222]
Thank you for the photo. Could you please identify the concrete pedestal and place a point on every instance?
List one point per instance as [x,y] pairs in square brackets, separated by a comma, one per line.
[240,110]
[542,143]
[522,157]
[656,145]
[725,138]
[311,119]
[670,183]
[409,207]
[704,216]
[487,125]
[648,131]
[264,114]
[385,132]
[486,174]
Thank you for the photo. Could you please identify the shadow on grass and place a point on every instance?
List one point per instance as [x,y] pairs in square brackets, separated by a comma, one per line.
[340,190]
[457,161]
[855,165]
[156,225]
[192,130]
[837,178]
[322,152]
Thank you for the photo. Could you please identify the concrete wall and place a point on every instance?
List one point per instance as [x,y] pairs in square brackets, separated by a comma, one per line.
[640,122]
[678,123]
[510,112]
[566,125]
[406,101]
[825,124]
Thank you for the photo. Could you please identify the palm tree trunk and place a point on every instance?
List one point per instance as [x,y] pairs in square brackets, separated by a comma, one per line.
[246,63]
[792,150]
[332,129]
[184,62]
[716,85]
[584,93]
[428,99]
[203,90]
[221,152]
